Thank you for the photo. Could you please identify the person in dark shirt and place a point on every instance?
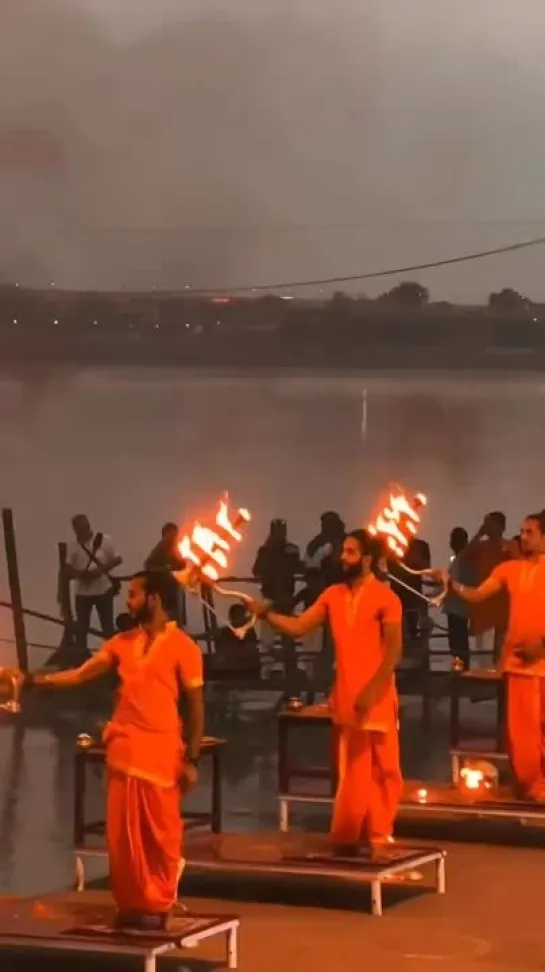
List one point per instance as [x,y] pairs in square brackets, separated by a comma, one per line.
[415,610]
[323,552]
[235,655]
[277,565]
[165,556]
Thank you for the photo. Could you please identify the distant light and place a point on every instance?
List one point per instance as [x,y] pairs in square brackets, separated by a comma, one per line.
[187,325]
[221,300]
[534,320]
[187,287]
[286,298]
[15,321]
[52,284]
[422,796]
[16,284]
[156,327]
[95,322]
[55,321]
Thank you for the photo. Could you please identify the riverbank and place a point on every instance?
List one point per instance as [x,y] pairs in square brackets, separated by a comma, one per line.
[34,351]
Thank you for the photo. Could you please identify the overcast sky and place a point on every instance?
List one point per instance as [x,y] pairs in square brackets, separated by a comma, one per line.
[195,142]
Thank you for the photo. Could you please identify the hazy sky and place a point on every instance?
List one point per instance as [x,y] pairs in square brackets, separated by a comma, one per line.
[184,142]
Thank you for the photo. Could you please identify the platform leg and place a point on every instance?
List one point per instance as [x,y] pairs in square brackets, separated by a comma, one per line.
[181,868]
[284,816]
[455,759]
[80,874]
[440,875]
[150,963]
[232,948]
[376,899]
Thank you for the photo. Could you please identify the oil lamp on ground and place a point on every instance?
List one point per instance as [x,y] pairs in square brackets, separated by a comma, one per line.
[478,779]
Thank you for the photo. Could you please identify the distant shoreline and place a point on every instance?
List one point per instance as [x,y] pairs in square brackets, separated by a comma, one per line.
[329,377]
[401,357]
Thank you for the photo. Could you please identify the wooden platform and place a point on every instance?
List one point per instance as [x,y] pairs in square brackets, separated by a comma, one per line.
[448,800]
[424,800]
[81,924]
[274,856]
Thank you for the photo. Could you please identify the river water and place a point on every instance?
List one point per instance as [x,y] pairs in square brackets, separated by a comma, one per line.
[136,448]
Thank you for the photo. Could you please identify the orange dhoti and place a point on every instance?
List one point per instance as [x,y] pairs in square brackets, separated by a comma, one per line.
[144,833]
[370,784]
[526,732]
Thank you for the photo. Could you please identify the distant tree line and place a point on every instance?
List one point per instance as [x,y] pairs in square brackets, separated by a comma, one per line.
[341,330]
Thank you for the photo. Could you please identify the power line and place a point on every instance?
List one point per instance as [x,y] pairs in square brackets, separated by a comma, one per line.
[355,226]
[373,274]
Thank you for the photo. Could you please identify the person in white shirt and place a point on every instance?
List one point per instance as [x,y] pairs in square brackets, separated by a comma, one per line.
[456,610]
[91,557]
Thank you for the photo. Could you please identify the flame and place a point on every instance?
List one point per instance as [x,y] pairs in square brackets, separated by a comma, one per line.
[208,547]
[397,523]
[473,778]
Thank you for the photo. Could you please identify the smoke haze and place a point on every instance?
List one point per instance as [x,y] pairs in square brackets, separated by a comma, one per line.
[179,143]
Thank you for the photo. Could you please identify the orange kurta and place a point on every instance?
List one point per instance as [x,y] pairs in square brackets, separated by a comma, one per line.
[525,585]
[144,755]
[370,781]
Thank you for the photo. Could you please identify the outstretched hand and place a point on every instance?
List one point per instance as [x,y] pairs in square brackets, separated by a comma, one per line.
[438,576]
[259,608]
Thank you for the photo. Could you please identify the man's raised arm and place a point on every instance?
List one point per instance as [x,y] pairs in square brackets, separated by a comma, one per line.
[292,627]
[102,662]
[474,595]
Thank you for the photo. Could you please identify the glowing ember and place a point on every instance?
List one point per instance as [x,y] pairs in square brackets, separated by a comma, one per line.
[398,522]
[209,547]
[473,778]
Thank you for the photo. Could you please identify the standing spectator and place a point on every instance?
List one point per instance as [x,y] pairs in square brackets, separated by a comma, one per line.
[415,609]
[455,608]
[488,619]
[324,550]
[90,559]
[323,568]
[165,556]
[277,565]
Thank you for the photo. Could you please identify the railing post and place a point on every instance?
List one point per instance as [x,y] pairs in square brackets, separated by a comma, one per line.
[15,590]
[64,590]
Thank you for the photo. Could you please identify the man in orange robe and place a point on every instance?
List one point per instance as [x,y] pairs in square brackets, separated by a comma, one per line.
[146,760]
[365,619]
[523,657]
